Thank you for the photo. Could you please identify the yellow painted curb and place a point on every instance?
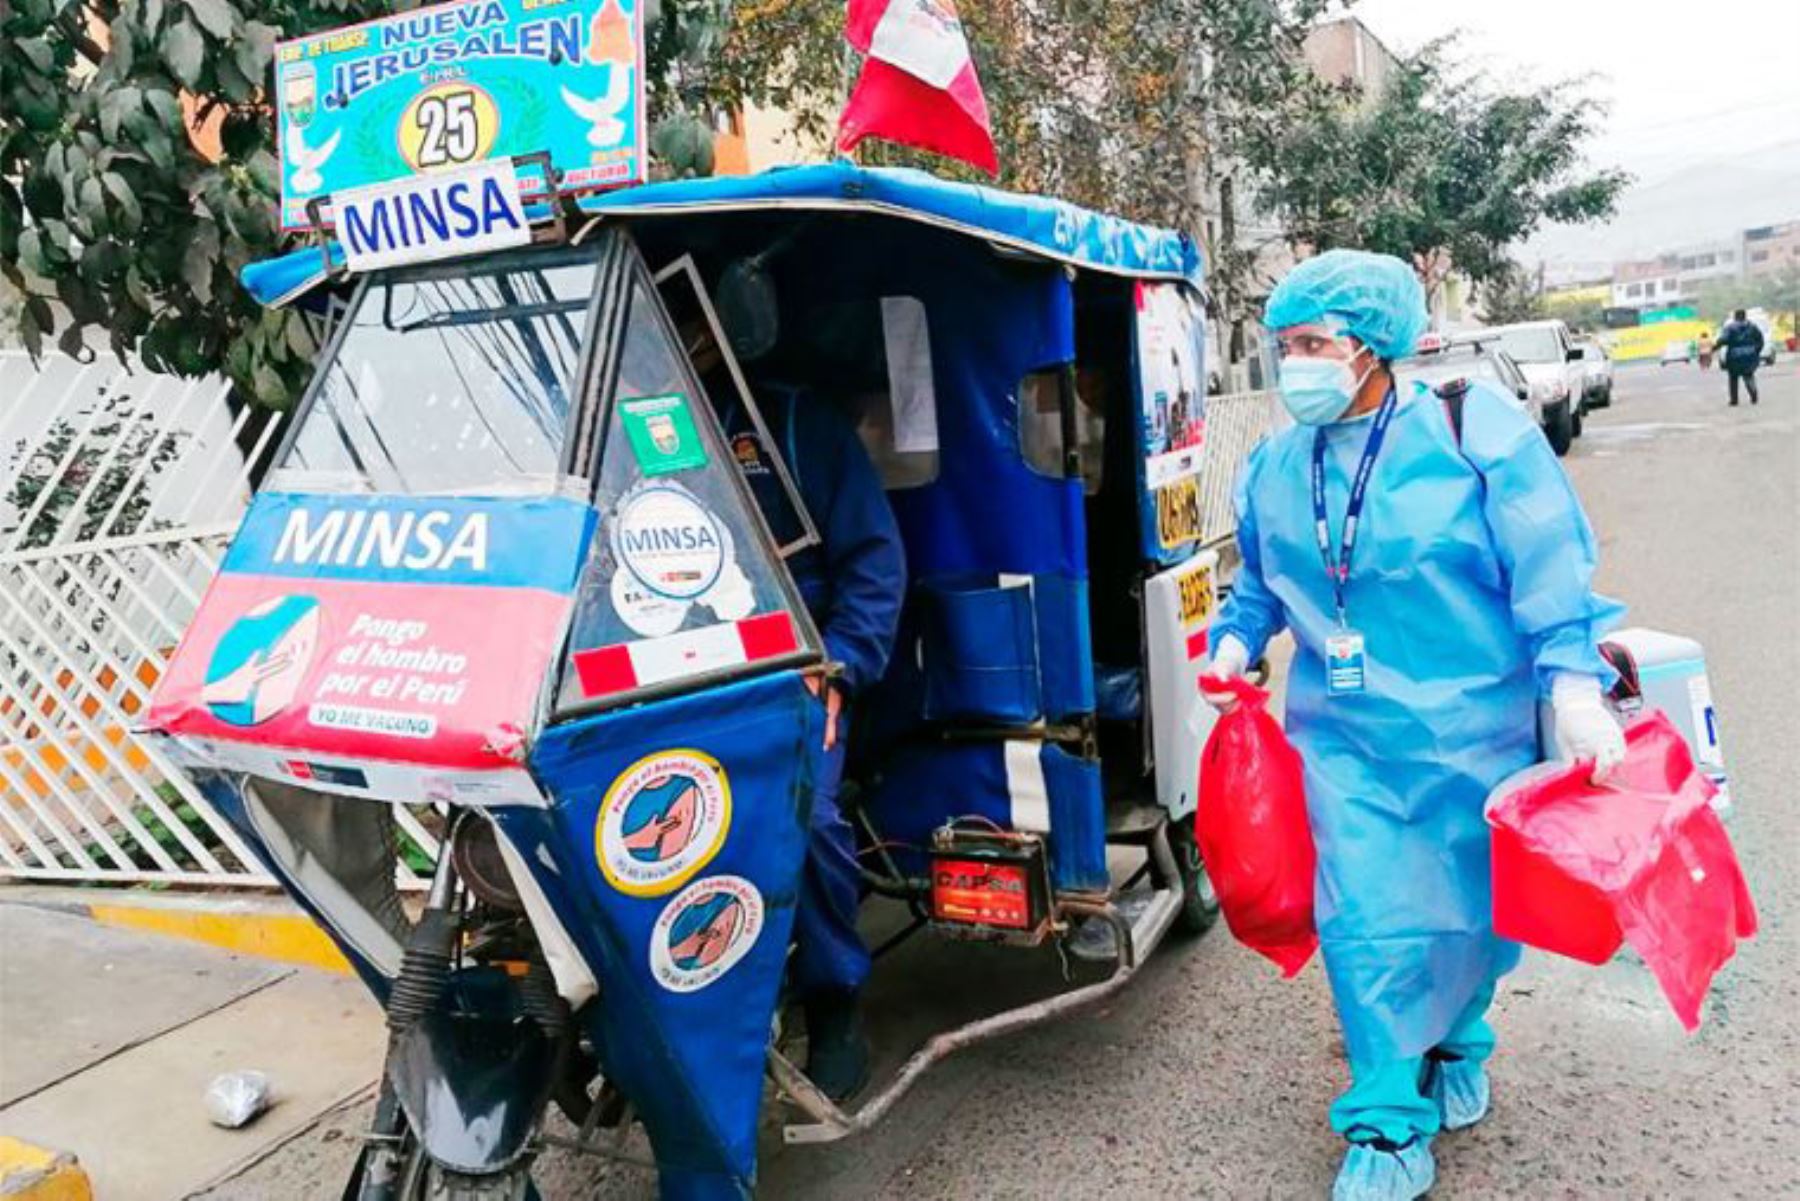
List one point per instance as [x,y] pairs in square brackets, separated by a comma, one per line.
[283,937]
[29,1173]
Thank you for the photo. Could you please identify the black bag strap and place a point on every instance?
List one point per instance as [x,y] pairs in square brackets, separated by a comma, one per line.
[1453,393]
[1630,688]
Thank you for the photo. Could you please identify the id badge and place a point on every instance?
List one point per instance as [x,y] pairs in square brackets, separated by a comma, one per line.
[1344,663]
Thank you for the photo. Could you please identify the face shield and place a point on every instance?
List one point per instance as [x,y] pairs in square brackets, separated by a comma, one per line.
[1320,368]
[1326,338]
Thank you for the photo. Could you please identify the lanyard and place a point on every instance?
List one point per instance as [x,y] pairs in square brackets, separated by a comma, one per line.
[1338,570]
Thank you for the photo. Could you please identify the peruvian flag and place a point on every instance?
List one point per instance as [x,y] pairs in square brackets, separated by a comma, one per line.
[918,85]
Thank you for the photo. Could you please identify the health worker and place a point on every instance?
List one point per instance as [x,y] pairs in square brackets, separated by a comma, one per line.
[1435,569]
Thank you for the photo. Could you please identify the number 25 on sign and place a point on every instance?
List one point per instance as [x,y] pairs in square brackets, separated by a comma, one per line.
[448,125]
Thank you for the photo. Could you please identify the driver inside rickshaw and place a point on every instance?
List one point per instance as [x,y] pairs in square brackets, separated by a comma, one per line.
[853,582]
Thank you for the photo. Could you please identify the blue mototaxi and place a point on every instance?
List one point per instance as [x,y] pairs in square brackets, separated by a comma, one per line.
[510,475]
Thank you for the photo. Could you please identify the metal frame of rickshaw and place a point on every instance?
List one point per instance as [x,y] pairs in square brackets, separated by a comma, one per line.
[1143,824]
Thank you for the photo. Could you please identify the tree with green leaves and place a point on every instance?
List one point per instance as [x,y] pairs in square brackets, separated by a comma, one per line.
[1510,295]
[114,220]
[1443,169]
[111,217]
[1778,291]
[1582,313]
[114,443]
[1153,109]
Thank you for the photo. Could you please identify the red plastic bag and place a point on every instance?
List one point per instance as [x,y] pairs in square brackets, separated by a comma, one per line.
[1251,826]
[1643,858]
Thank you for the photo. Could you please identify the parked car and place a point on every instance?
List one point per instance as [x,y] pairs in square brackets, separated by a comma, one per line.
[1553,368]
[1436,364]
[1677,352]
[1598,373]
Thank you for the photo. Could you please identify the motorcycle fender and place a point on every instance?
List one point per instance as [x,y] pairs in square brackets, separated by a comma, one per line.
[474,1075]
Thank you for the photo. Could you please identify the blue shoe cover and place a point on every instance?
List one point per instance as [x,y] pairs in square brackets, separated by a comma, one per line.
[1460,1087]
[1371,1173]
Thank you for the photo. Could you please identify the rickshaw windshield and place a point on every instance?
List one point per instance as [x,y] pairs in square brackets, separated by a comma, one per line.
[450,380]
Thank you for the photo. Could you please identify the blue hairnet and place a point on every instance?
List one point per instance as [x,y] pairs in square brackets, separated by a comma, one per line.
[1377,297]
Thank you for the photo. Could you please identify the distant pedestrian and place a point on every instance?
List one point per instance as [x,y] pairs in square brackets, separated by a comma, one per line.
[1742,344]
[1706,349]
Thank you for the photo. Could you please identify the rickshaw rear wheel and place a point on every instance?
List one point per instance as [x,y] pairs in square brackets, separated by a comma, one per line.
[1199,899]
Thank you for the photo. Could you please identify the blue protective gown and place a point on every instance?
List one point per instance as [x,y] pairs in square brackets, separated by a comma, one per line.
[1470,582]
[853,584]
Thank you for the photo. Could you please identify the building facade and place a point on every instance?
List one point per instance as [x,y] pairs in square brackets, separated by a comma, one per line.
[1346,51]
[1676,276]
[1769,248]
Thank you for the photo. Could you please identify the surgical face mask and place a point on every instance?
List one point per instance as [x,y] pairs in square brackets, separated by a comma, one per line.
[1317,391]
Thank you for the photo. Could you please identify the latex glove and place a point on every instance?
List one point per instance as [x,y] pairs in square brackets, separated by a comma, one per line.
[1585,728]
[1229,660]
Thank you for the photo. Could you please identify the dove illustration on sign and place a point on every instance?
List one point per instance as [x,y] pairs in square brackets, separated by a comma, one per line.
[605,128]
[308,159]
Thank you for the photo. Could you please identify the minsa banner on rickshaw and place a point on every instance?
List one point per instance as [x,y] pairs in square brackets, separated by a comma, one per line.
[439,89]
[380,645]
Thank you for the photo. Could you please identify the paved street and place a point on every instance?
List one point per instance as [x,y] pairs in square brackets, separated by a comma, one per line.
[1210,1078]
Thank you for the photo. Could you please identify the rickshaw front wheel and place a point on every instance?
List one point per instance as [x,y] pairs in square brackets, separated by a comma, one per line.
[1199,899]
[439,1184]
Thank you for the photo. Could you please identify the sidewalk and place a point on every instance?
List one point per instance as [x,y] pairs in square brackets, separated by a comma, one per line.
[108,1039]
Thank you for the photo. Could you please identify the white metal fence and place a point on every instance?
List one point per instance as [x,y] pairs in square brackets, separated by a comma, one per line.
[119,492]
[118,495]
[1234,424]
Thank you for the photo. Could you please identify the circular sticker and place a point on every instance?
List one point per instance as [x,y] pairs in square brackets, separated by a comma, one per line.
[733,599]
[449,124]
[644,613]
[661,821]
[704,931]
[669,542]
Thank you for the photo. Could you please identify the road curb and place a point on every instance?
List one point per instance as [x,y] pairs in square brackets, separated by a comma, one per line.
[264,928]
[31,1173]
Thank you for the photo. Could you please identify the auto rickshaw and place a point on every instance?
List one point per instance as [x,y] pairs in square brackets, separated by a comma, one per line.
[506,570]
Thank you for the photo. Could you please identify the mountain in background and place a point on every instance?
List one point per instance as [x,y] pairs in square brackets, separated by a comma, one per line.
[1698,203]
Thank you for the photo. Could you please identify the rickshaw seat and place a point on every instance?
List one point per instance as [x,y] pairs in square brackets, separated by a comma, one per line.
[1118,693]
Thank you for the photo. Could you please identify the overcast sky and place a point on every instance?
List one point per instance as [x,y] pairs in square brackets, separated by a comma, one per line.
[1685,82]
[1695,87]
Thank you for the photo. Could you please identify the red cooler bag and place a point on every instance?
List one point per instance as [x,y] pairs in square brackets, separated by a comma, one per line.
[1580,867]
[1250,823]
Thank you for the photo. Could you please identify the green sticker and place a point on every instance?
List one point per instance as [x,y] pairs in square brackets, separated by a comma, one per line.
[662,433]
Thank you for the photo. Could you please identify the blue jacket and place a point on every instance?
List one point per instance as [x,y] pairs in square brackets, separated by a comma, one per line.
[854,581]
[1742,344]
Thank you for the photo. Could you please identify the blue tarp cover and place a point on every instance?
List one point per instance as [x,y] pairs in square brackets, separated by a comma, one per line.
[1052,228]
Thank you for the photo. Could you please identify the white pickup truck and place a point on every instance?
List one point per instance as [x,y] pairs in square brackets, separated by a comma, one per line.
[1553,368]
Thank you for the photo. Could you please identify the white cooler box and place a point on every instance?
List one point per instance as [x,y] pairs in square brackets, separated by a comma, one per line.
[1667,672]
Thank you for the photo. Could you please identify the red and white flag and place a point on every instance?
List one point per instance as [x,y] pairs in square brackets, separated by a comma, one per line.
[918,85]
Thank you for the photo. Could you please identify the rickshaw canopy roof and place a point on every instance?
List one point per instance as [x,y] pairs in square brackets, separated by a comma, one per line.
[1036,225]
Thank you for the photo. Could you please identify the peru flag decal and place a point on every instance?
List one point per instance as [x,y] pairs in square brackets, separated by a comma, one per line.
[918,85]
